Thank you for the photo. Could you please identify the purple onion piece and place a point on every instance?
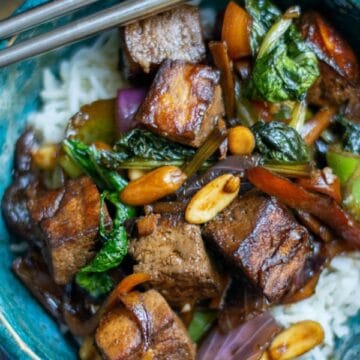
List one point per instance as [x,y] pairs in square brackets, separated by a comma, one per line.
[246,342]
[236,164]
[127,104]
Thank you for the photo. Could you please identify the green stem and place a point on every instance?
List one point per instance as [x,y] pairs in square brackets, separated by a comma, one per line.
[298,116]
[201,324]
[278,30]
[298,170]
[207,149]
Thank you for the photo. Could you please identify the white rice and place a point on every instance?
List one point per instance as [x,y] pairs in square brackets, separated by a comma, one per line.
[92,74]
[337,297]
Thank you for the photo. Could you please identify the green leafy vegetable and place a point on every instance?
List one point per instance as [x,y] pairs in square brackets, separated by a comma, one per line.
[352,194]
[285,68]
[144,144]
[264,13]
[201,324]
[96,284]
[298,116]
[93,277]
[279,143]
[139,149]
[243,106]
[87,157]
[350,136]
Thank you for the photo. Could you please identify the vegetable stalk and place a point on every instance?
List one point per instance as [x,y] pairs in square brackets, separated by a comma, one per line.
[207,149]
[278,30]
[201,324]
[298,116]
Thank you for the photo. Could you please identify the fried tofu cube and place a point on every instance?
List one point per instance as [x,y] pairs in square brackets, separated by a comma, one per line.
[119,335]
[69,221]
[260,236]
[175,34]
[184,103]
[180,268]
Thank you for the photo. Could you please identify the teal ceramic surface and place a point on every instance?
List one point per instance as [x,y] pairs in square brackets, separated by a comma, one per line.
[26,331]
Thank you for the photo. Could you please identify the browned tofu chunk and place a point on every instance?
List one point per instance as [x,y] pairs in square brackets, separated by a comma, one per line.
[331,89]
[260,236]
[69,221]
[184,103]
[174,255]
[124,334]
[175,34]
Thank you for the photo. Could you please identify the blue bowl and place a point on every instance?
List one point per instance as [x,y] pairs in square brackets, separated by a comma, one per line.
[26,330]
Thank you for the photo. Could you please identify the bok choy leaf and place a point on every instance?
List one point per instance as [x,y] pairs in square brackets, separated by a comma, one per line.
[264,13]
[280,143]
[93,277]
[286,66]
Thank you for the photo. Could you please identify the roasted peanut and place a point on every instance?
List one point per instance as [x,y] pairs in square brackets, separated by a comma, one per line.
[45,157]
[212,198]
[153,186]
[88,350]
[232,185]
[265,356]
[149,355]
[296,340]
[241,140]
[134,174]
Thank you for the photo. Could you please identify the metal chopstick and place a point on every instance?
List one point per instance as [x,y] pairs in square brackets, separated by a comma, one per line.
[39,15]
[112,17]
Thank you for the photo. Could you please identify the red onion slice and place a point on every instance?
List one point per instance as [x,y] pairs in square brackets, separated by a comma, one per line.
[246,342]
[127,104]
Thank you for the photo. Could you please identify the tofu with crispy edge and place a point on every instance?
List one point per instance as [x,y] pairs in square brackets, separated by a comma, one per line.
[68,221]
[154,331]
[173,253]
[184,103]
[260,236]
[175,34]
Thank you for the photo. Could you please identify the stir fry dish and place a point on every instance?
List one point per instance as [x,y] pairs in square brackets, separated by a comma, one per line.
[218,185]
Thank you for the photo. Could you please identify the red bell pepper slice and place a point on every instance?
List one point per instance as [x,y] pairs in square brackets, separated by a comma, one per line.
[296,197]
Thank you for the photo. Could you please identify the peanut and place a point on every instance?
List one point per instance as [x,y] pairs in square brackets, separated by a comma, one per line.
[45,157]
[212,199]
[88,350]
[296,340]
[241,140]
[265,356]
[134,174]
[232,185]
[153,186]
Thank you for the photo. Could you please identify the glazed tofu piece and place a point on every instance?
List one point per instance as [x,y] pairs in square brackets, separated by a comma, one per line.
[172,252]
[331,89]
[261,237]
[184,103]
[124,335]
[68,220]
[175,34]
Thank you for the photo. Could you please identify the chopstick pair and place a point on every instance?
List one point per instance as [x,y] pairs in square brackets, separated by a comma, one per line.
[112,17]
